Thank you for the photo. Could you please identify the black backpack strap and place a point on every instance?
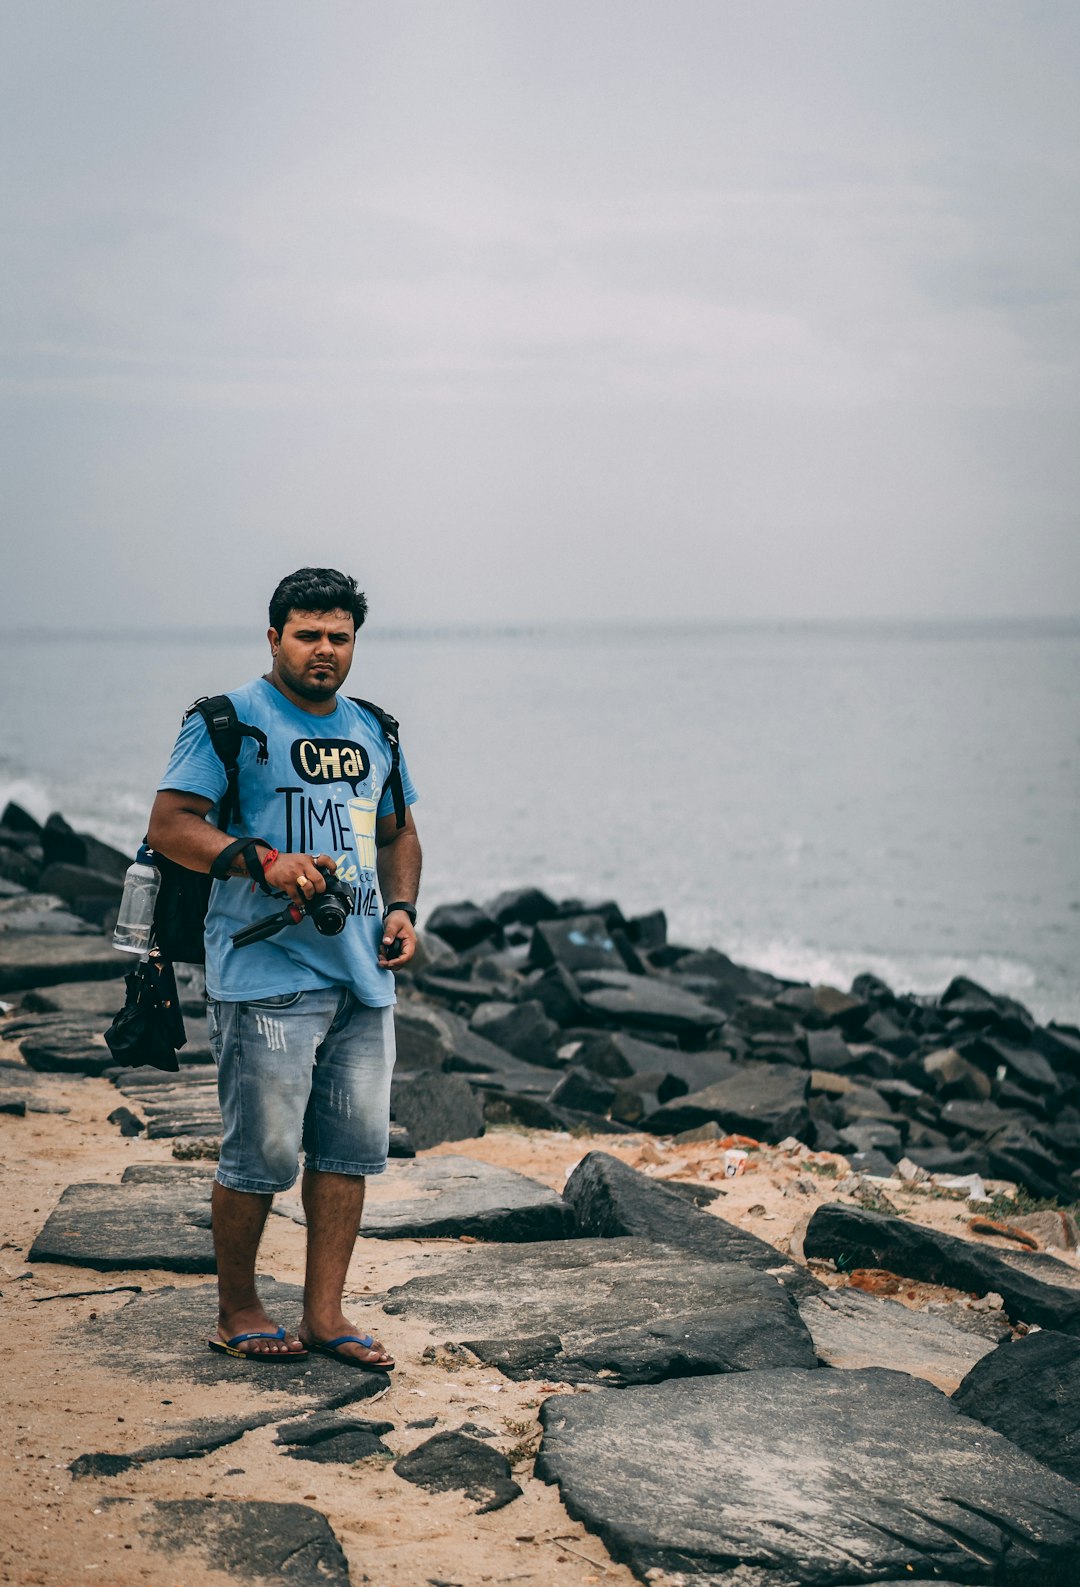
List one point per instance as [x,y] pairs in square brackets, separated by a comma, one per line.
[390,731]
[227,733]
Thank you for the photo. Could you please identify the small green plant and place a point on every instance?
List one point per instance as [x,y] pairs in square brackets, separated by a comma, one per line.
[824,1170]
[1004,1206]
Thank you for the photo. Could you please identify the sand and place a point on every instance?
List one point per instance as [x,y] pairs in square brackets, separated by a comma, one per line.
[57,1405]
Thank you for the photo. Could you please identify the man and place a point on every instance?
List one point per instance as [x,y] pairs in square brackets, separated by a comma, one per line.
[301,1025]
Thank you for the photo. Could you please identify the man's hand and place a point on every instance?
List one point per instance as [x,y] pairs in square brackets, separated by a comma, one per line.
[298,875]
[397,927]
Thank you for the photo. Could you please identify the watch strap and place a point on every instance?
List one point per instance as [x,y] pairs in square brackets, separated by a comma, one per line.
[407,909]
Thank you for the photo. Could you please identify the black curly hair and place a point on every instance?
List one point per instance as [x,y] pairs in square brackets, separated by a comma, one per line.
[317,590]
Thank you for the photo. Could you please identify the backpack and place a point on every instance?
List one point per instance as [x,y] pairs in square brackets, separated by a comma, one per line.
[183,896]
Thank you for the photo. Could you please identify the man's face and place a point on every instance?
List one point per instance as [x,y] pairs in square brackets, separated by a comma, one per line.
[313,652]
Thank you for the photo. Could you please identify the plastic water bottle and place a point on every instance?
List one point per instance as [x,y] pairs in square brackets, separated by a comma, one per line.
[136,918]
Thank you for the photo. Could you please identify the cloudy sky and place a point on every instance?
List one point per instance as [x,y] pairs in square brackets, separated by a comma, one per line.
[533,309]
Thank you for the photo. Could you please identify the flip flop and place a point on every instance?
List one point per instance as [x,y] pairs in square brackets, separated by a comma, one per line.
[329,1347]
[229,1348]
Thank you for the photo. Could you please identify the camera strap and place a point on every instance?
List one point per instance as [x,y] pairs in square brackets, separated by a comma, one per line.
[249,848]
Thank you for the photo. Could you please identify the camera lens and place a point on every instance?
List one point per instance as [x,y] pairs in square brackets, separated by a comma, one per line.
[329,915]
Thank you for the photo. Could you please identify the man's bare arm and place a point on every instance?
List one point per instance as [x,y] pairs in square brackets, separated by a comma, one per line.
[179,830]
[398,862]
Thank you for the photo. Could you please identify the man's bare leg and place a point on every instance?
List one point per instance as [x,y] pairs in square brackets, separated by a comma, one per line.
[333,1204]
[238,1219]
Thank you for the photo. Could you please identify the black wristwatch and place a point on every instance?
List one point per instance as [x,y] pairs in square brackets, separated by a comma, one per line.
[406,909]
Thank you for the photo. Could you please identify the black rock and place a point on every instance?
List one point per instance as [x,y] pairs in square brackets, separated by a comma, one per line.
[448,1196]
[40,915]
[18,867]
[330,1439]
[952,1076]
[61,844]
[609,1312]
[1030,1068]
[757,1016]
[113,1227]
[558,995]
[91,894]
[827,1049]
[522,1028]
[453,1460]
[251,1540]
[535,1113]
[872,989]
[586,1092]
[873,1135]
[733,981]
[1061,1044]
[1016,1153]
[582,942]
[160,1336]
[766,1101]
[648,931]
[652,1005]
[1035,1288]
[821,1489]
[464,925]
[16,819]
[974,1118]
[852,1329]
[1029,1390]
[872,1162]
[438,1107]
[522,906]
[66,1052]
[636,1098]
[38,960]
[612,1199]
[462,995]
[130,1124]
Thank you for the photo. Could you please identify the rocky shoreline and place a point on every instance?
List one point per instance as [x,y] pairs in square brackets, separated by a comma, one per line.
[711,1404]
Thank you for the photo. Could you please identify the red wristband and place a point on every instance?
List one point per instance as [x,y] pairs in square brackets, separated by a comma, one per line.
[271,856]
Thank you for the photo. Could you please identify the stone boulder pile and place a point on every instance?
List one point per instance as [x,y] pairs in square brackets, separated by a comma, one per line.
[564,1014]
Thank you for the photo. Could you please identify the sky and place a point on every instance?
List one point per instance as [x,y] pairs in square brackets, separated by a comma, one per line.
[540,310]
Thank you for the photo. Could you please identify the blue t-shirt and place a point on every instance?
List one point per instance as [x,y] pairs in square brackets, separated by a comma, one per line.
[320,792]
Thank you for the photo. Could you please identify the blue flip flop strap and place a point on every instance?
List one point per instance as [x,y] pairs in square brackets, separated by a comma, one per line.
[348,1339]
[239,1339]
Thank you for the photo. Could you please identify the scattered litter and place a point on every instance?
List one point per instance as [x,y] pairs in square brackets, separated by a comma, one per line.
[734,1163]
[990,1302]
[972,1184]
[1008,1231]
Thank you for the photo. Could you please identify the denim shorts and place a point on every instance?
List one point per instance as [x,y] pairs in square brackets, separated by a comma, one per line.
[307,1069]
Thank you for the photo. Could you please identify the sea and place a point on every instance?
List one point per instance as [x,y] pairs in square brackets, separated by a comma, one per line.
[815,799]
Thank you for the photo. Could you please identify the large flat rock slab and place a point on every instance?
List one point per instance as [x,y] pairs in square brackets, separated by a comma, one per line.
[33,959]
[614,1311]
[161,1336]
[850,1329]
[250,1540]
[807,1479]
[610,1198]
[1029,1389]
[645,1004]
[129,1227]
[1035,1288]
[767,1101]
[448,1196]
